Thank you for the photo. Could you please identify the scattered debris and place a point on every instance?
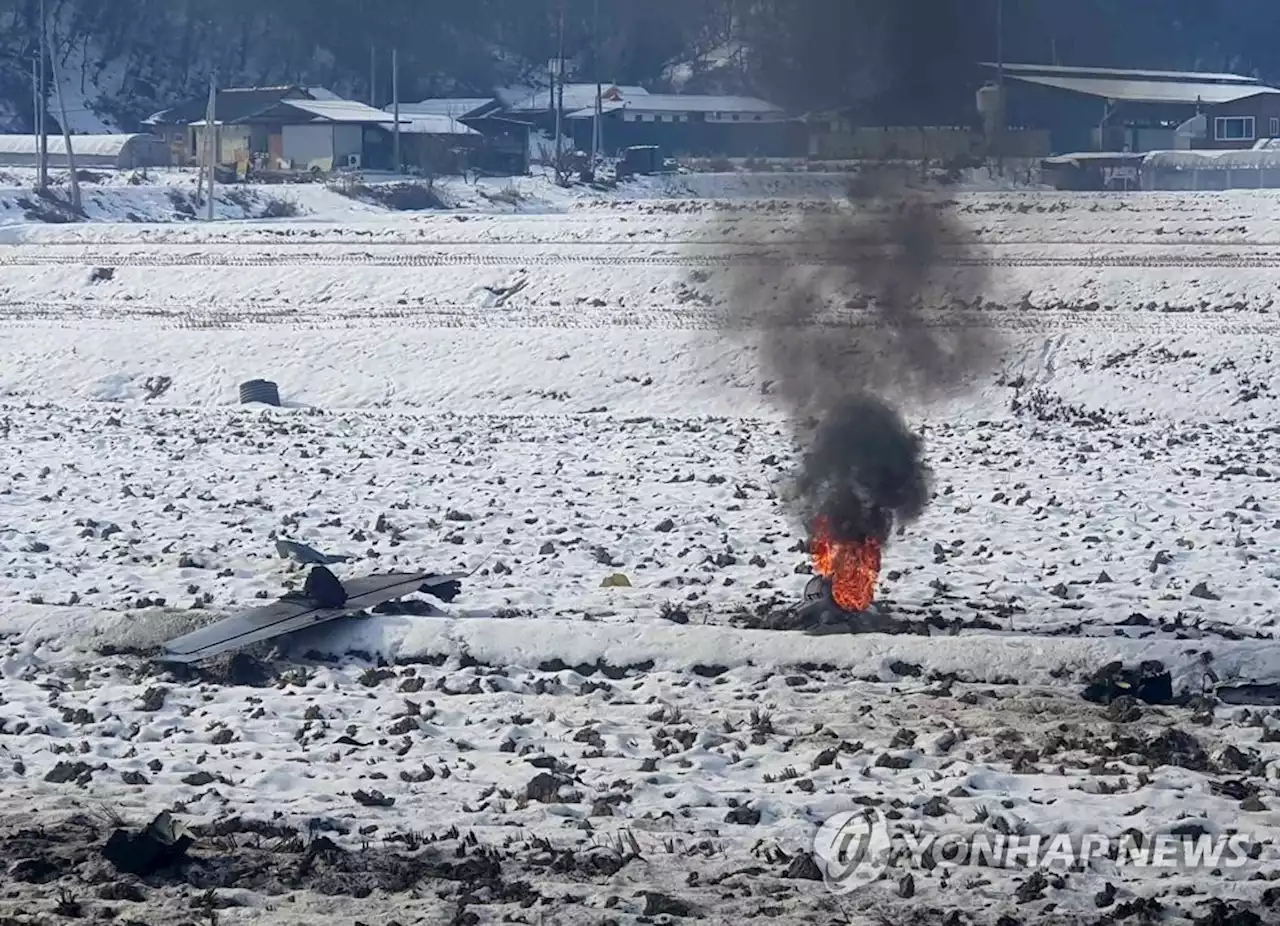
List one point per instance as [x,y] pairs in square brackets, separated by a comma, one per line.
[262,391]
[161,844]
[1150,682]
[307,555]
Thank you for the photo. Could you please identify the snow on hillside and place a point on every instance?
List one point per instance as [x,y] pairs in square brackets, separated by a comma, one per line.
[83,83]
[546,394]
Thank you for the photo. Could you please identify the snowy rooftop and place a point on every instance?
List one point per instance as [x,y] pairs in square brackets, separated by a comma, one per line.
[1063,70]
[339,110]
[457,107]
[684,103]
[1148,91]
[576,96]
[413,123]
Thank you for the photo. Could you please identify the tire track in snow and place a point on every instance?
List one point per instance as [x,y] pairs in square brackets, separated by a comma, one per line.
[155,259]
[295,315]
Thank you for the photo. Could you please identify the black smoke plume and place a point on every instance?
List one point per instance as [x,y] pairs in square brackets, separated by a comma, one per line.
[874,301]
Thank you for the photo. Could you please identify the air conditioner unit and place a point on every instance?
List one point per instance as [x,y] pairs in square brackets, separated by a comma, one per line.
[353,160]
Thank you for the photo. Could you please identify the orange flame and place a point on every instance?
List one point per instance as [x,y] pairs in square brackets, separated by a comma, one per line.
[852,566]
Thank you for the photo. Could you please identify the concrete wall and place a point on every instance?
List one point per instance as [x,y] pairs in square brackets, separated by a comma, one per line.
[1135,139]
[308,146]
[935,143]
[773,138]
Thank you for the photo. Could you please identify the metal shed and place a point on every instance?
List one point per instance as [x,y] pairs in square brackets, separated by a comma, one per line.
[109,151]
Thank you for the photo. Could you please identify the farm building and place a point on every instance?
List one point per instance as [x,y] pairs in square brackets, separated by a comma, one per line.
[303,127]
[309,135]
[1112,109]
[433,141]
[689,124]
[537,108]
[503,146]
[1093,170]
[174,124]
[101,151]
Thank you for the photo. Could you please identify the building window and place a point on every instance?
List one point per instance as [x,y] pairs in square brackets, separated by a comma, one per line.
[1233,128]
[1274,131]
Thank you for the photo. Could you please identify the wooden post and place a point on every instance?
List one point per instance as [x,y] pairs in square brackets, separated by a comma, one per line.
[211,140]
[597,128]
[559,101]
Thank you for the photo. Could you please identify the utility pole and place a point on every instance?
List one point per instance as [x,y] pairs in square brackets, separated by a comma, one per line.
[35,103]
[211,140]
[373,76]
[597,126]
[1000,44]
[1000,115]
[395,109]
[66,132]
[43,145]
[559,104]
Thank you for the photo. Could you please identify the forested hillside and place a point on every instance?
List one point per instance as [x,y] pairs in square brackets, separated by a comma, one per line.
[898,61]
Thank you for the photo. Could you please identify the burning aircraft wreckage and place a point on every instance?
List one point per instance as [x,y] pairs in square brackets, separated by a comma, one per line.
[846,565]
[861,473]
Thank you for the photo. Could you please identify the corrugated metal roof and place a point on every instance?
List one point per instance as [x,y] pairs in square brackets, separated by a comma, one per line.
[576,96]
[233,104]
[418,124]
[685,103]
[1148,91]
[1064,70]
[447,106]
[96,145]
[340,111]
[1077,156]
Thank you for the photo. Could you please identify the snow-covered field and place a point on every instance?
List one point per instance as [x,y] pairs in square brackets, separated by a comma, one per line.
[552,398]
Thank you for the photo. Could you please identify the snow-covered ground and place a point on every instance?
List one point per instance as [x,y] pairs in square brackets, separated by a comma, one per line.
[550,397]
[170,195]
